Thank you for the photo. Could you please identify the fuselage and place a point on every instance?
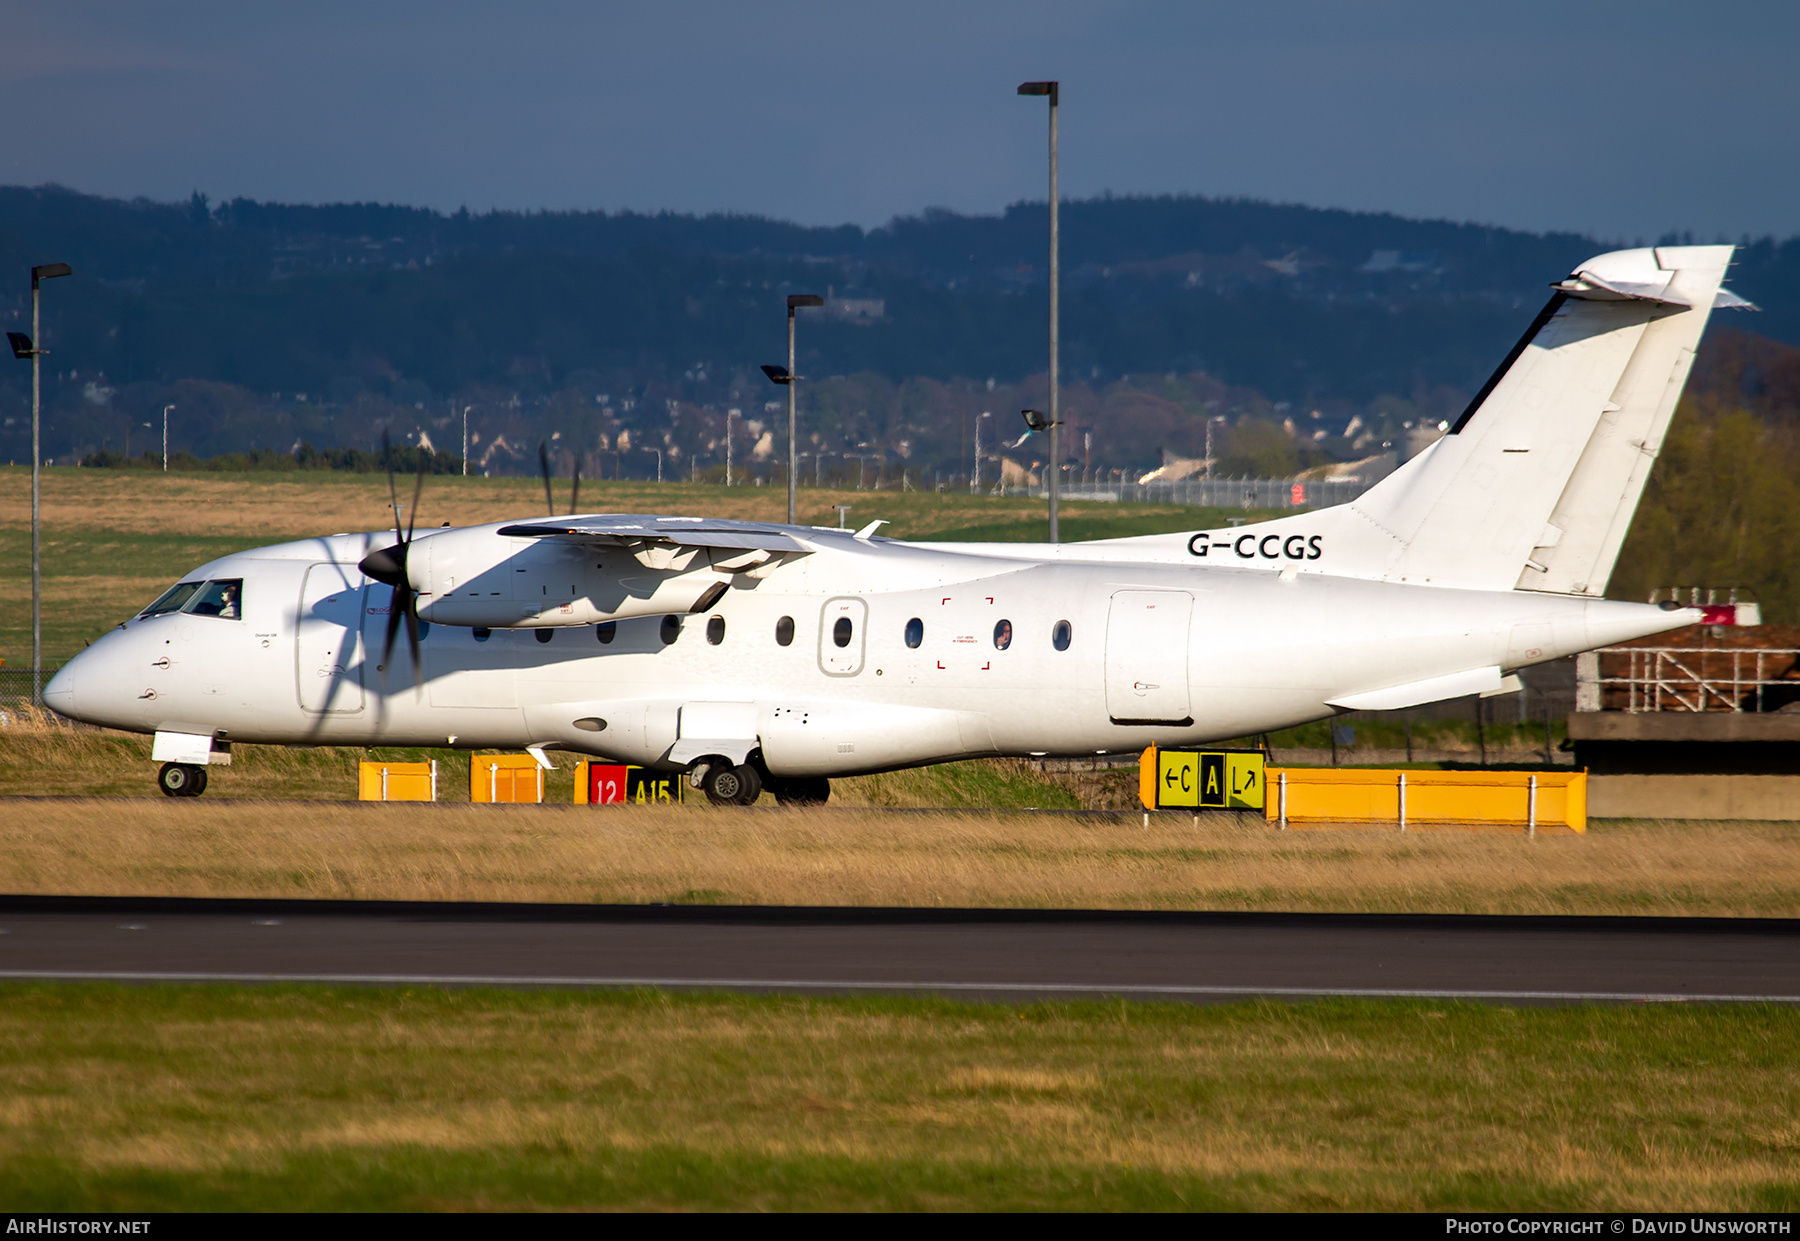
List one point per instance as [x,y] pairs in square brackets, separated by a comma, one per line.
[863,655]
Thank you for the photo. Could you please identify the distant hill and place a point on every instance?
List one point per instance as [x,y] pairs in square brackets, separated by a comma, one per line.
[270,323]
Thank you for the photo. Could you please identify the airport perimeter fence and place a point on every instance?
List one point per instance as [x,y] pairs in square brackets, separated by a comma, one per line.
[1245,493]
[15,685]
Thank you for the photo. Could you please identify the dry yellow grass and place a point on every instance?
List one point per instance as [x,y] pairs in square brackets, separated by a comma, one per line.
[861,857]
[274,824]
[276,506]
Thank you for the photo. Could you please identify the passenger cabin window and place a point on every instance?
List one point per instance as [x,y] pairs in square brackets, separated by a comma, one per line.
[715,630]
[915,632]
[544,635]
[671,629]
[606,631]
[223,599]
[1003,635]
[482,635]
[1060,635]
[173,598]
[784,631]
[842,631]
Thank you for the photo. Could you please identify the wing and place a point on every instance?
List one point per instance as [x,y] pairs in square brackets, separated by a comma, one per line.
[630,529]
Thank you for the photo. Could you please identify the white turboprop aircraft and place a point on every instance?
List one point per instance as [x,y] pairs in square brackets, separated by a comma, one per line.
[772,656]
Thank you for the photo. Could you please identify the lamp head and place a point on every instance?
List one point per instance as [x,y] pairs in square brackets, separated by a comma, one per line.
[797,300]
[1035,419]
[21,344]
[49,271]
[1040,88]
[777,374]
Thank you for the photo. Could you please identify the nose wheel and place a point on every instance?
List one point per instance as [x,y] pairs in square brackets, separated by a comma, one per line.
[181,780]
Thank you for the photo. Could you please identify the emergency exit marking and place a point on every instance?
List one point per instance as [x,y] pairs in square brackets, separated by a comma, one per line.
[1209,779]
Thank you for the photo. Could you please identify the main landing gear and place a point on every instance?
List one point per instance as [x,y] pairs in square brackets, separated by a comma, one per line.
[740,784]
[728,785]
[181,780]
[804,791]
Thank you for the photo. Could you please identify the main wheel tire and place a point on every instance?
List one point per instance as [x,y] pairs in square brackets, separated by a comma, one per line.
[733,786]
[810,791]
[181,780]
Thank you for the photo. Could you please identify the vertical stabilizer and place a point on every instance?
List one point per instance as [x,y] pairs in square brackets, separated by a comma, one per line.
[1536,482]
[1534,486]
[1588,525]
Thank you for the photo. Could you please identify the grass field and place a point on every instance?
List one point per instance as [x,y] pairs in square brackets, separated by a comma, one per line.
[314,1098]
[114,539]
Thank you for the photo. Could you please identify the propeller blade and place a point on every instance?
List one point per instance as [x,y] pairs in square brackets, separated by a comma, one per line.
[544,465]
[387,459]
[418,486]
[575,494]
[412,640]
[393,630]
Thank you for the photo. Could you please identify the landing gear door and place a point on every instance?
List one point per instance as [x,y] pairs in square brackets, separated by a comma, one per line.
[1147,657]
[842,641]
[328,668]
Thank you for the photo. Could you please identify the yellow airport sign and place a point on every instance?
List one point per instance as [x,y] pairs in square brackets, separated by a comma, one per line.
[1201,779]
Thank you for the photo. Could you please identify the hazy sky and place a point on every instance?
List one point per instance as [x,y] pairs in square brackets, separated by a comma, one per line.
[1621,118]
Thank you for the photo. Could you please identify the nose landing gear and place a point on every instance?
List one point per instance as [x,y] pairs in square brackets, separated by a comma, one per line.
[181,780]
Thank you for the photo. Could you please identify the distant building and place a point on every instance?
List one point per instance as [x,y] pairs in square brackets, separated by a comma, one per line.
[1400,260]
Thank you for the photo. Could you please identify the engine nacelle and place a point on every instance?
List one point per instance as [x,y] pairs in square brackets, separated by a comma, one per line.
[479,579]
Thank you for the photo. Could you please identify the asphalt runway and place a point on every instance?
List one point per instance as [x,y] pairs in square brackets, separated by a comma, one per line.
[972,953]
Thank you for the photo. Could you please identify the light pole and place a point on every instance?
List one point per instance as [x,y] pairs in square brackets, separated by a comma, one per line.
[1050,89]
[658,453]
[27,347]
[166,410]
[786,376]
[465,455]
[729,415]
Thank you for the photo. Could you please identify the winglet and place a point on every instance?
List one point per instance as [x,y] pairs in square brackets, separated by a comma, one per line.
[871,528]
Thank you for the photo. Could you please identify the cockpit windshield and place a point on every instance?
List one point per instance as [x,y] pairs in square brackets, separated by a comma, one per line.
[223,599]
[173,598]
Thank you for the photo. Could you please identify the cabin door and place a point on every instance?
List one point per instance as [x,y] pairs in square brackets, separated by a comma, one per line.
[1147,657]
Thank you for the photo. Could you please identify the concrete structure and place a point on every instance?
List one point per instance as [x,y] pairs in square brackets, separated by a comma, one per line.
[1695,724]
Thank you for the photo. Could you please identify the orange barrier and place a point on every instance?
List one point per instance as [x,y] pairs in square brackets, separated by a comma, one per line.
[1526,799]
[396,781]
[505,778]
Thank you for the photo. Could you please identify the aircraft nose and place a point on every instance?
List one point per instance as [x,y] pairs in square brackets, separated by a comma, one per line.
[59,695]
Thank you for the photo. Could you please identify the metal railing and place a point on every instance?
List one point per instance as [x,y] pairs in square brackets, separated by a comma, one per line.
[1687,678]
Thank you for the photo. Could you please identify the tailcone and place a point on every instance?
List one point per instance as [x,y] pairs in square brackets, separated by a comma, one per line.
[1609,622]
